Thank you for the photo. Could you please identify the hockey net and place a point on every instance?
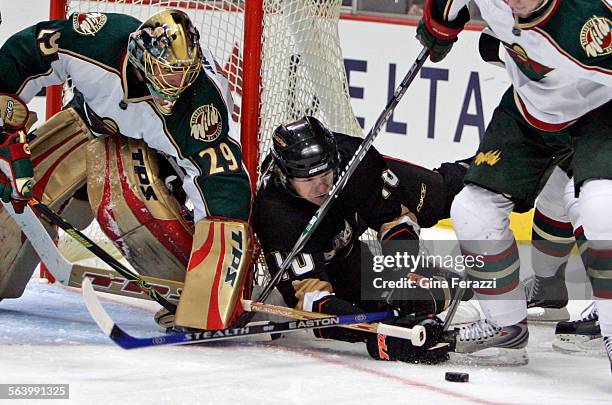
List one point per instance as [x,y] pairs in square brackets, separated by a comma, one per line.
[282,58]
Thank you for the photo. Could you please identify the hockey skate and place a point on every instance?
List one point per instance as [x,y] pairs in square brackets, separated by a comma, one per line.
[547,298]
[484,343]
[580,336]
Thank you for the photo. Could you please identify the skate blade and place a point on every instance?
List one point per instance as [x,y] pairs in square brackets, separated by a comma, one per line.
[539,314]
[579,345]
[493,356]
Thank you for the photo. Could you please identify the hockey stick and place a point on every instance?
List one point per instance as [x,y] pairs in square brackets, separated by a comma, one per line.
[71,274]
[342,180]
[82,239]
[127,341]
[452,309]
[416,334]
[111,281]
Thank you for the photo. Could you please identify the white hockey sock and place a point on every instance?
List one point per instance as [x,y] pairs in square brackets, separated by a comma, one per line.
[505,309]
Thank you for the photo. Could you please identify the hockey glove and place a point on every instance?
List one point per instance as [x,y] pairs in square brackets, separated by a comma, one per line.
[313,286]
[16,170]
[381,347]
[16,173]
[436,36]
[400,238]
[453,174]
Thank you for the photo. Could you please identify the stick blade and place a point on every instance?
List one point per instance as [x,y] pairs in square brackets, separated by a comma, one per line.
[97,312]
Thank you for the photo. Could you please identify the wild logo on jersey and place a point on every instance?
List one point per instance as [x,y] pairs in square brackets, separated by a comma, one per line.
[103,125]
[530,68]
[206,123]
[596,36]
[88,23]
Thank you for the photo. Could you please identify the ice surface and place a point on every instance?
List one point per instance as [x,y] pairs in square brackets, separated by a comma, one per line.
[47,336]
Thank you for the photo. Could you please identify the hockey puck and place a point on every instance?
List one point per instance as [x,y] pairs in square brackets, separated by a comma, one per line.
[457,377]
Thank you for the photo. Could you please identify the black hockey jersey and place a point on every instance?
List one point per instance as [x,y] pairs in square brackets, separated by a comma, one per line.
[373,196]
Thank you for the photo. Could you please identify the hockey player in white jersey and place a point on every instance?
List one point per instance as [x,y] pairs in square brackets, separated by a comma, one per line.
[557,112]
[151,82]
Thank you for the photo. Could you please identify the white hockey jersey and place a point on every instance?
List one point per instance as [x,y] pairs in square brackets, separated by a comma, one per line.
[559,59]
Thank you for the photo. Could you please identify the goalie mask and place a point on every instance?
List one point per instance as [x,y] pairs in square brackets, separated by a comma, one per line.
[166,49]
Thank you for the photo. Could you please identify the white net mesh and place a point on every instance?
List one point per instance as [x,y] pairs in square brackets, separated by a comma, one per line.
[302,69]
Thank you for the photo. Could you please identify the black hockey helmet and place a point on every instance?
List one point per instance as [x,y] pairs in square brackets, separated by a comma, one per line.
[304,148]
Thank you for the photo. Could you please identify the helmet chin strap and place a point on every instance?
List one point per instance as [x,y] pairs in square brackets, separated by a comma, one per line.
[286,182]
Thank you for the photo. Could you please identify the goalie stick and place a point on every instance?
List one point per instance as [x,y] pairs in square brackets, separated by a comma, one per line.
[64,271]
[71,274]
[342,180]
[415,334]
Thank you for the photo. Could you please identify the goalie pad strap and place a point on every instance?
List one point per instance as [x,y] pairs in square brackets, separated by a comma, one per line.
[215,275]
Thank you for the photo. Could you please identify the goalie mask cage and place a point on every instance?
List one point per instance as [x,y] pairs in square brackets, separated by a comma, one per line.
[282,59]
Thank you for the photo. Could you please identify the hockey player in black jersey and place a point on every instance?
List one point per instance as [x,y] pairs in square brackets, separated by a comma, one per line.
[390,196]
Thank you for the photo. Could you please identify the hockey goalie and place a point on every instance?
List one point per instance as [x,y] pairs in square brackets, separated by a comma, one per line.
[151,97]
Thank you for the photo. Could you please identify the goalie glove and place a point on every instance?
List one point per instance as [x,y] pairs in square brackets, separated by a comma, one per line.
[16,175]
[16,171]
[382,347]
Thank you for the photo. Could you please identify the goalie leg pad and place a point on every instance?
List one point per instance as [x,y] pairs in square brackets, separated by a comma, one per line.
[135,208]
[17,258]
[215,275]
[58,155]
